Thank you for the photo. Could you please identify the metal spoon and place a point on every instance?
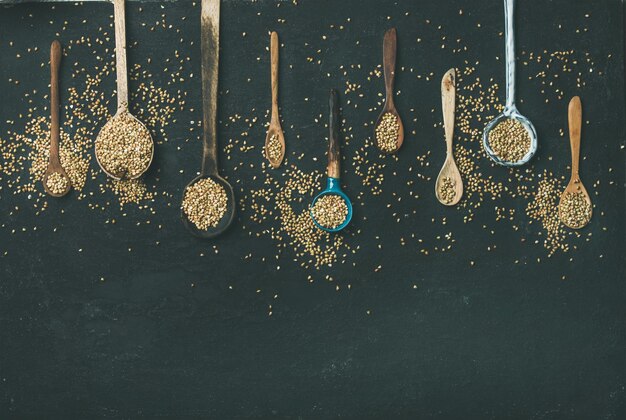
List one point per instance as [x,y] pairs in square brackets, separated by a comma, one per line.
[389,66]
[275,129]
[122,89]
[333,170]
[449,169]
[210,44]
[510,110]
[575,185]
[54,162]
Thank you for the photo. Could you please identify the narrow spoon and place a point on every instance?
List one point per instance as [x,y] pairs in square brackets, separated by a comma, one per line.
[122,98]
[210,45]
[54,162]
[510,109]
[575,185]
[449,185]
[274,129]
[389,66]
[333,169]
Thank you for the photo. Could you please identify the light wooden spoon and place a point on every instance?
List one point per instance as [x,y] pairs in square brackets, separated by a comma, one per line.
[575,185]
[54,162]
[449,172]
[275,129]
[122,96]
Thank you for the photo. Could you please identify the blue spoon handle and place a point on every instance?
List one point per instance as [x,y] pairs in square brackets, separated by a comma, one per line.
[334,154]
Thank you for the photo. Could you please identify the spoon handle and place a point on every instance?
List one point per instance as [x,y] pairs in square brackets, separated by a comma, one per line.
[274,51]
[575,117]
[55,63]
[447,104]
[389,63]
[509,38]
[334,153]
[120,54]
[210,45]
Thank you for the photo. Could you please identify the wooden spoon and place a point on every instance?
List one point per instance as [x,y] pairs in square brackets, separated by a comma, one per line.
[389,66]
[54,162]
[275,129]
[209,51]
[575,185]
[449,172]
[122,90]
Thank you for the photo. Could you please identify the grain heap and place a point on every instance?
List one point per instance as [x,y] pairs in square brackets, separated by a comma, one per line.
[274,149]
[509,140]
[387,133]
[447,190]
[286,199]
[575,210]
[57,183]
[124,147]
[205,203]
[330,211]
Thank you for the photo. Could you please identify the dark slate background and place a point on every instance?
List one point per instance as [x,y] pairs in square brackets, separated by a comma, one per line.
[497,340]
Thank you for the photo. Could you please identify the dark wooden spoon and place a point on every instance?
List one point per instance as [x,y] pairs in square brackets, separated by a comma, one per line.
[210,44]
[389,66]
[54,162]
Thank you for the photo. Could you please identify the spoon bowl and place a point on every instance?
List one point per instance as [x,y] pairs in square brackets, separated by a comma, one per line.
[512,114]
[275,129]
[390,108]
[226,219]
[56,169]
[333,187]
[123,175]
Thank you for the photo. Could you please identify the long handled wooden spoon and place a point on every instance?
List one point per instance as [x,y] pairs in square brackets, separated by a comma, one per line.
[124,146]
[209,50]
[575,207]
[389,114]
[449,185]
[55,180]
[275,140]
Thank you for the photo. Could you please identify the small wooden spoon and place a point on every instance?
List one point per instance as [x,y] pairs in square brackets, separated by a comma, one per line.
[575,185]
[389,66]
[275,129]
[54,162]
[449,171]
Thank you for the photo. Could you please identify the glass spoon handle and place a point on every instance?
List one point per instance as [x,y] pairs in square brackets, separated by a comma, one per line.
[509,38]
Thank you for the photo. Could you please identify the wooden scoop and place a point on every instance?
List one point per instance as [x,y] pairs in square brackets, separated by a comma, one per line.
[449,172]
[275,129]
[54,162]
[389,66]
[575,185]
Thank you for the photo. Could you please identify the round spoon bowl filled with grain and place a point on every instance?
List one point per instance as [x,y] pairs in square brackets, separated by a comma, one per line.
[208,206]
